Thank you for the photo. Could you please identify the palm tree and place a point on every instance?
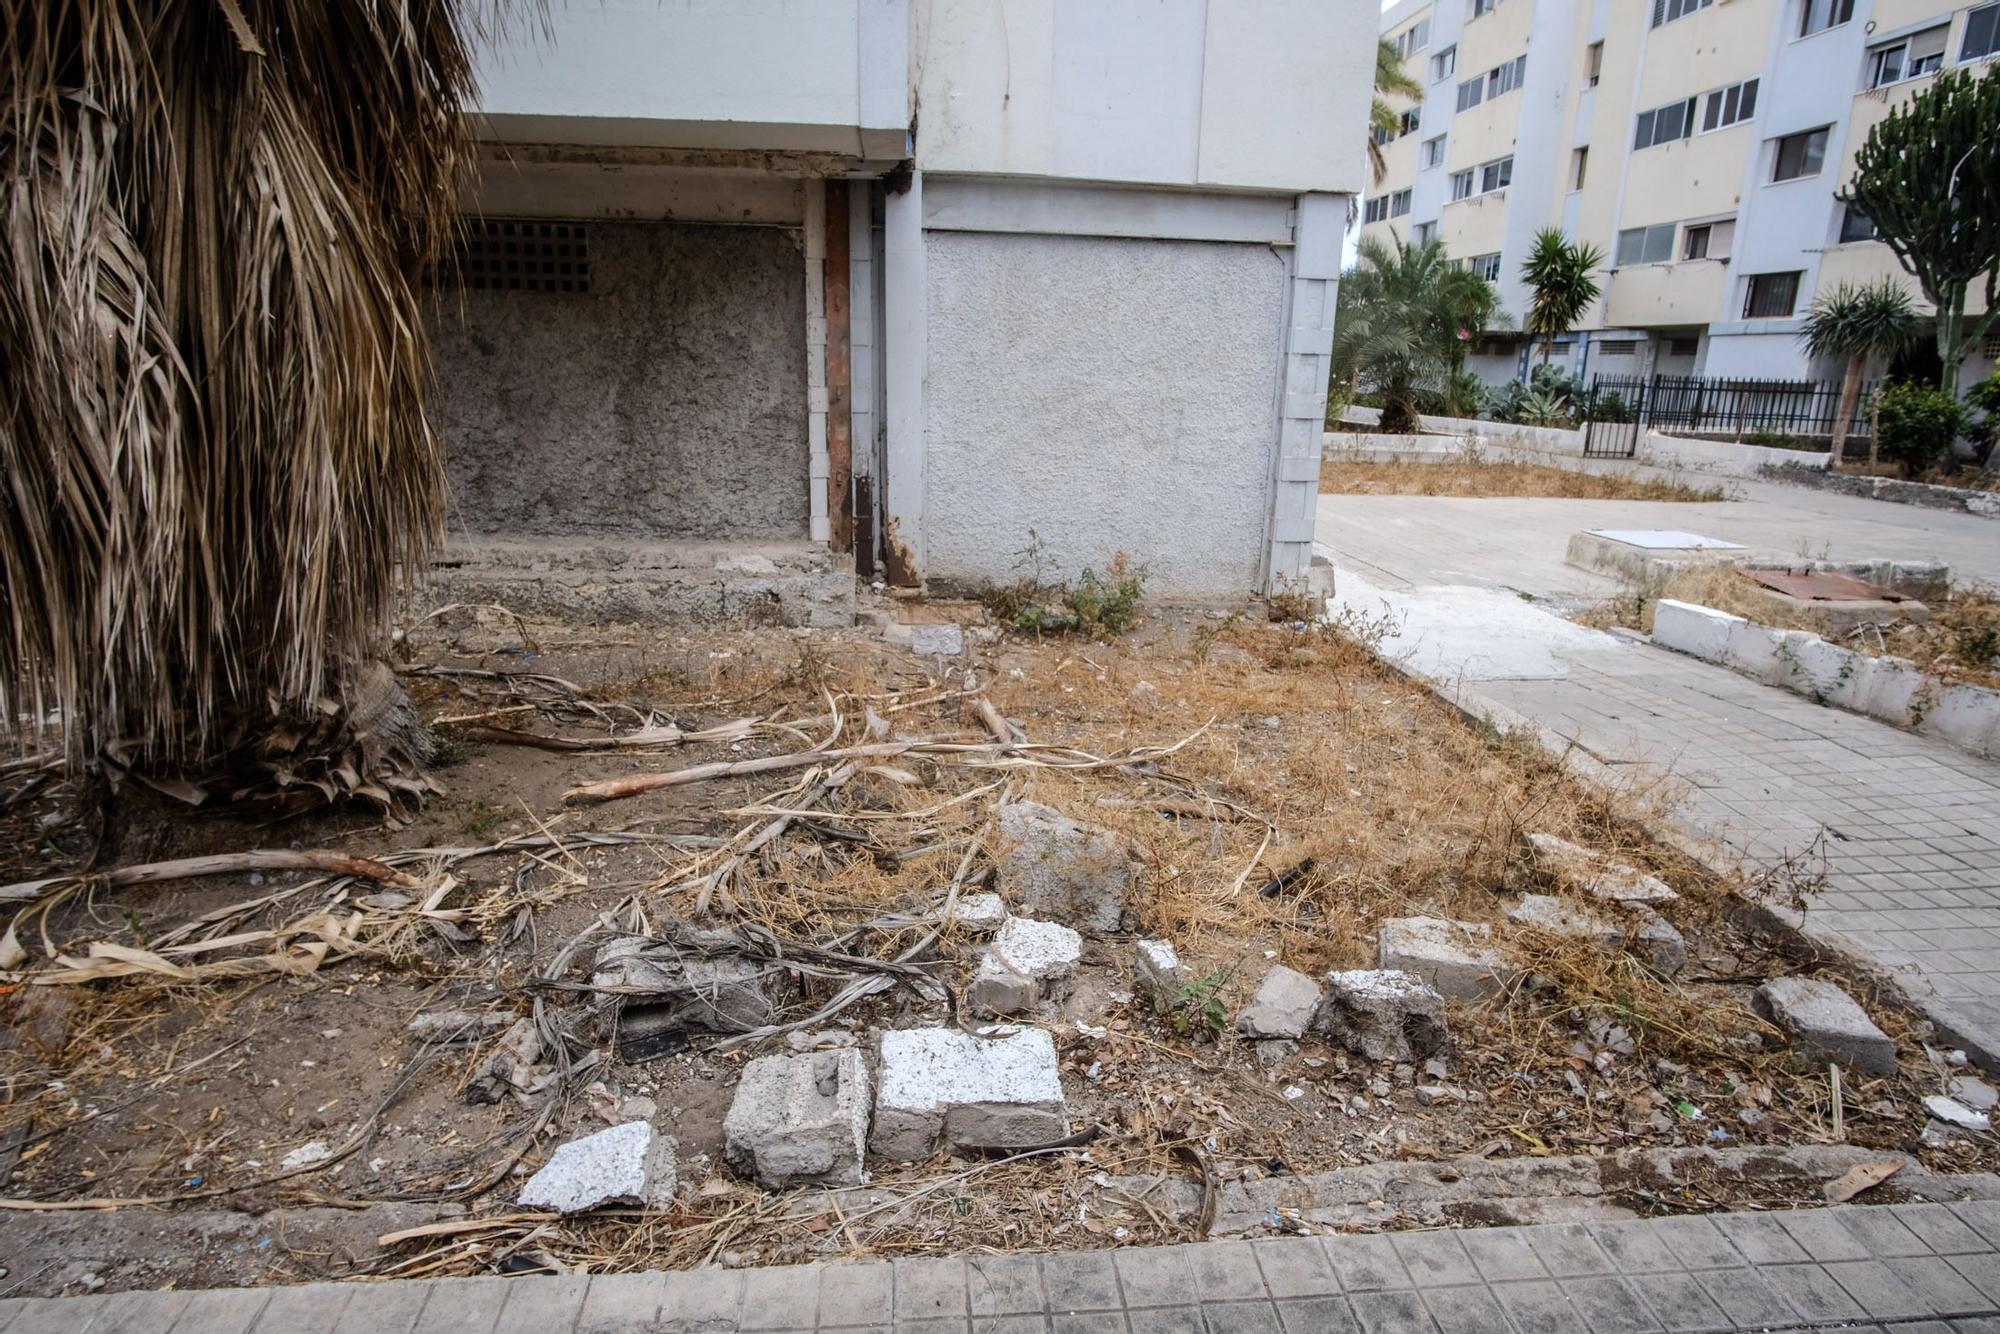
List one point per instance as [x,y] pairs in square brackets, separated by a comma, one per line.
[1860,323]
[216,456]
[1390,81]
[1559,272]
[1403,310]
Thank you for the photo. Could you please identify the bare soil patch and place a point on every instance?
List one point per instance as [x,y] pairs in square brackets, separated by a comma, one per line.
[1355,792]
[1482,478]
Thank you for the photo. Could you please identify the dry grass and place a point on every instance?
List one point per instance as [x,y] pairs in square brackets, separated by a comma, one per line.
[1480,478]
[1960,641]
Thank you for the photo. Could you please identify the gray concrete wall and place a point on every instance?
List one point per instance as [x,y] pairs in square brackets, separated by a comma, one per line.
[1112,394]
[667,403]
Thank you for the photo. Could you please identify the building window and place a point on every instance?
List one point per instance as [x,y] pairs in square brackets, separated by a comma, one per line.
[1471,92]
[1423,233]
[1695,244]
[1800,155]
[1413,39]
[1683,347]
[1486,266]
[1375,210]
[1461,184]
[1579,163]
[1646,245]
[1593,64]
[1484,7]
[1507,77]
[1819,15]
[1444,64]
[1729,106]
[1618,347]
[1409,121]
[1666,11]
[1496,175]
[1771,296]
[1910,58]
[1399,203]
[1434,151]
[1664,124]
[1857,226]
[1982,33]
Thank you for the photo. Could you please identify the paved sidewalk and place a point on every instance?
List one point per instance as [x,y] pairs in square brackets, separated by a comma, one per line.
[1916,1267]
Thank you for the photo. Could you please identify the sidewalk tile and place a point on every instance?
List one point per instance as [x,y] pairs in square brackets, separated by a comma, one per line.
[1465,1310]
[856,1293]
[1435,1259]
[1167,1320]
[1878,1291]
[1568,1250]
[780,1297]
[1608,1306]
[221,1311]
[1295,1266]
[310,1308]
[1391,1313]
[1820,1234]
[470,1306]
[1087,1322]
[1809,1290]
[1695,1241]
[1761,1238]
[1939,1286]
[539,1304]
[1082,1281]
[1005,1284]
[138,1312]
[698,1300]
[1540,1307]
[380,1308]
[1502,1253]
[1745,1296]
[1227,1271]
[617,1303]
[1366,1262]
[1317,1315]
[1681,1304]
[1635,1248]
[1156,1276]
[1248,1317]
[931,1290]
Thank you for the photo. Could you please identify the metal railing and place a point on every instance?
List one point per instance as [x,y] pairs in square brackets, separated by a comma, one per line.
[1740,409]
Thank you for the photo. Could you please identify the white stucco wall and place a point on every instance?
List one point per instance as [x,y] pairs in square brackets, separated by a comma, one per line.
[1112,394]
[1170,92]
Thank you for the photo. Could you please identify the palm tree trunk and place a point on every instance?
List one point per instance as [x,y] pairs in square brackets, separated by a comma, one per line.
[1850,394]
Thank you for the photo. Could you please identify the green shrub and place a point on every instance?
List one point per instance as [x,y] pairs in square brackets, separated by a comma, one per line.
[1098,606]
[1918,423]
[1610,407]
[1985,398]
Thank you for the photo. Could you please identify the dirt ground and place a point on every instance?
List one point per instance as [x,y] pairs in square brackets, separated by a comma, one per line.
[235,1051]
[1478,477]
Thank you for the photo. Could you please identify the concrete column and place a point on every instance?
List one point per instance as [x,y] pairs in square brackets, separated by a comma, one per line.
[1308,355]
[905,351]
[861,327]
[820,527]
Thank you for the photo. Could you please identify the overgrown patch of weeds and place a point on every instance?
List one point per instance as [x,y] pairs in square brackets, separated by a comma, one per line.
[483,821]
[449,748]
[1196,1009]
[1468,474]
[1096,606]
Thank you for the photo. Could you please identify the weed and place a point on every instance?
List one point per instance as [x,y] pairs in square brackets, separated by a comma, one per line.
[448,748]
[1208,632]
[483,821]
[1097,606]
[1196,1009]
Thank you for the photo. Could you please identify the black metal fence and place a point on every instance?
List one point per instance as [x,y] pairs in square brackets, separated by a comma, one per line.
[1799,413]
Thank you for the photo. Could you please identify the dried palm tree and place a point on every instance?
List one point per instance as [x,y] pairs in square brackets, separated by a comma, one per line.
[217,461]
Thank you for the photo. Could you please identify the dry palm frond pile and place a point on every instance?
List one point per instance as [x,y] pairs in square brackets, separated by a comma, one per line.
[214,439]
[814,810]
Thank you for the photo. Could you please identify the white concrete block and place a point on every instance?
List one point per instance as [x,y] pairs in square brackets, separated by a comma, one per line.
[1455,957]
[1383,1014]
[1026,964]
[799,1118]
[1284,1006]
[943,1085]
[1157,968]
[1699,632]
[1825,1023]
[627,1164]
[979,912]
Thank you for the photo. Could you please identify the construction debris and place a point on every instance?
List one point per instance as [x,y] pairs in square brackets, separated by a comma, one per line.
[510,1066]
[1027,963]
[1158,970]
[697,981]
[1053,867]
[800,1119]
[1283,1007]
[1383,1014]
[1824,1021]
[1599,876]
[1456,958]
[944,1086]
[627,1164]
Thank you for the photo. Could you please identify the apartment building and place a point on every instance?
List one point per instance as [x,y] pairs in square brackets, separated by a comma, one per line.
[1698,143]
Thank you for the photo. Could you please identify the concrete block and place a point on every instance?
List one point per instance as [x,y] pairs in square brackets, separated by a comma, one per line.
[1600,877]
[1545,912]
[1284,1006]
[1052,867]
[1824,1021]
[943,1085]
[799,1118]
[627,1164]
[979,912]
[1699,632]
[1383,1014]
[1157,969]
[1028,962]
[1454,957]
[1964,715]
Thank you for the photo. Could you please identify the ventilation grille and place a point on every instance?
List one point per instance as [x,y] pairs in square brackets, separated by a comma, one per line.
[512,255]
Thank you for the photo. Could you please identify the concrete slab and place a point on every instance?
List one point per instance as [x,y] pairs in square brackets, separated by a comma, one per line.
[942,1085]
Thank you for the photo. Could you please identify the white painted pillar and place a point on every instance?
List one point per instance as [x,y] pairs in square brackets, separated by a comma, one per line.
[905,353]
[1308,357]
[819,525]
[861,325]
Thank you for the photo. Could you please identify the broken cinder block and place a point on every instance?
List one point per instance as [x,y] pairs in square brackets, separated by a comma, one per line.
[1655,936]
[1284,1006]
[1157,968]
[1050,866]
[723,991]
[1456,958]
[1600,877]
[1027,963]
[799,1119]
[1824,1020]
[627,1164]
[1383,1014]
[943,1085]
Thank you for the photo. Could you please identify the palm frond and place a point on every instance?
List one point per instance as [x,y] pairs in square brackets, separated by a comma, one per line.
[217,456]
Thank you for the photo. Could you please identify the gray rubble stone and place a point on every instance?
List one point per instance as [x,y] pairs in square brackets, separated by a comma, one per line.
[1383,1014]
[1660,941]
[1824,1020]
[1052,867]
[979,912]
[1977,1094]
[627,1164]
[723,992]
[1157,968]
[1599,876]
[1956,1113]
[1027,963]
[1283,1007]
[799,1118]
[944,1085]
[1656,937]
[1454,957]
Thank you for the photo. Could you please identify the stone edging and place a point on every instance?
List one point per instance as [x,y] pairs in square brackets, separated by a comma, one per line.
[1985,504]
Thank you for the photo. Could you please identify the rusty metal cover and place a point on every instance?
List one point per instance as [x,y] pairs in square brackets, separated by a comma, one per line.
[1824,586]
